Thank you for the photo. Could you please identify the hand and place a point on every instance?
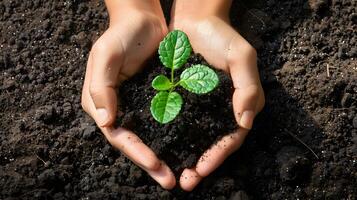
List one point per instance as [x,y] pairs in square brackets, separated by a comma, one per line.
[212,36]
[133,36]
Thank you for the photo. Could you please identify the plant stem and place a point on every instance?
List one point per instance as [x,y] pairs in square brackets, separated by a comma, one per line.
[176,84]
[172,75]
[172,80]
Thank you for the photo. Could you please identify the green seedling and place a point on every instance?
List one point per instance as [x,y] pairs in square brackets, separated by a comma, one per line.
[174,51]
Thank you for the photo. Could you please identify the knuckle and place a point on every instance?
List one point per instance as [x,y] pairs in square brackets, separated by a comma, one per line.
[153,165]
[203,172]
[241,50]
[248,50]
[94,90]
[99,46]
[251,50]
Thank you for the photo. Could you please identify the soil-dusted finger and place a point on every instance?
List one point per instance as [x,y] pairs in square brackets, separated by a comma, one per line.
[105,100]
[164,176]
[215,156]
[308,70]
[126,141]
[245,103]
[133,147]
[201,118]
[137,152]
[189,179]
[107,61]
[87,100]
[245,76]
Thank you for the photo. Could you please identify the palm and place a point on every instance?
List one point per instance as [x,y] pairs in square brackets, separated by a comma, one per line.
[129,43]
[224,49]
[117,55]
[209,37]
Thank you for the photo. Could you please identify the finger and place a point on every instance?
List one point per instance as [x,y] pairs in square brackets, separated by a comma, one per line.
[163,176]
[215,156]
[212,159]
[189,179]
[127,142]
[124,140]
[245,101]
[131,145]
[104,79]
[245,77]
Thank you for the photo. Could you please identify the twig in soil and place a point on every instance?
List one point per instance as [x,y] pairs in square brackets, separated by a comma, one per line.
[328,70]
[298,139]
[40,159]
[254,15]
[328,67]
[260,19]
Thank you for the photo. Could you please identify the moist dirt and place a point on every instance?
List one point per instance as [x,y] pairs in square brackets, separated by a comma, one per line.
[202,121]
[303,144]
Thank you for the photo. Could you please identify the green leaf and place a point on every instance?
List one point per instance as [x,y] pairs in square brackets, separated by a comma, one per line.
[199,79]
[175,49]
[161,82]
[165,106]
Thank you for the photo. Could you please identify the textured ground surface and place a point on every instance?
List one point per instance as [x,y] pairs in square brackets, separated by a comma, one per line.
[307,51]
[198,126]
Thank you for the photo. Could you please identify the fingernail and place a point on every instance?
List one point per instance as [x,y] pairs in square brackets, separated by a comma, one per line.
[102,116]
[246,121]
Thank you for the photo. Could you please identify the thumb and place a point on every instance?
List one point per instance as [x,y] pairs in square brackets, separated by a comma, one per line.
[105,101]
[102,88]
[246,97]
[245,102]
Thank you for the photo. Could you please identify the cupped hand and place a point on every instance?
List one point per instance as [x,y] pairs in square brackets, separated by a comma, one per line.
[224,48]
[118,54]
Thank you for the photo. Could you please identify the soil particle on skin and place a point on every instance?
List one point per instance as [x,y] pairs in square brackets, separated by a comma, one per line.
[51,149]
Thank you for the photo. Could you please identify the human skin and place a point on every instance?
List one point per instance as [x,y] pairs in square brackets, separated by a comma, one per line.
[135,31]
[208,28]
[136,28]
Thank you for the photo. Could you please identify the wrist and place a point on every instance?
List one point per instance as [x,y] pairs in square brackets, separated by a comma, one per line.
[119,9]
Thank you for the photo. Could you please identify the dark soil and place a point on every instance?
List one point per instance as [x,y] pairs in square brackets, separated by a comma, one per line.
[50,149]
[181,142]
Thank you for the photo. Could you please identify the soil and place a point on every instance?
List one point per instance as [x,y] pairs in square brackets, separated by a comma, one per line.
[303,144]
[181,142]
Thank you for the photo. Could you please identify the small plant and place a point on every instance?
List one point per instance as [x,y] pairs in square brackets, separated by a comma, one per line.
[174,51]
